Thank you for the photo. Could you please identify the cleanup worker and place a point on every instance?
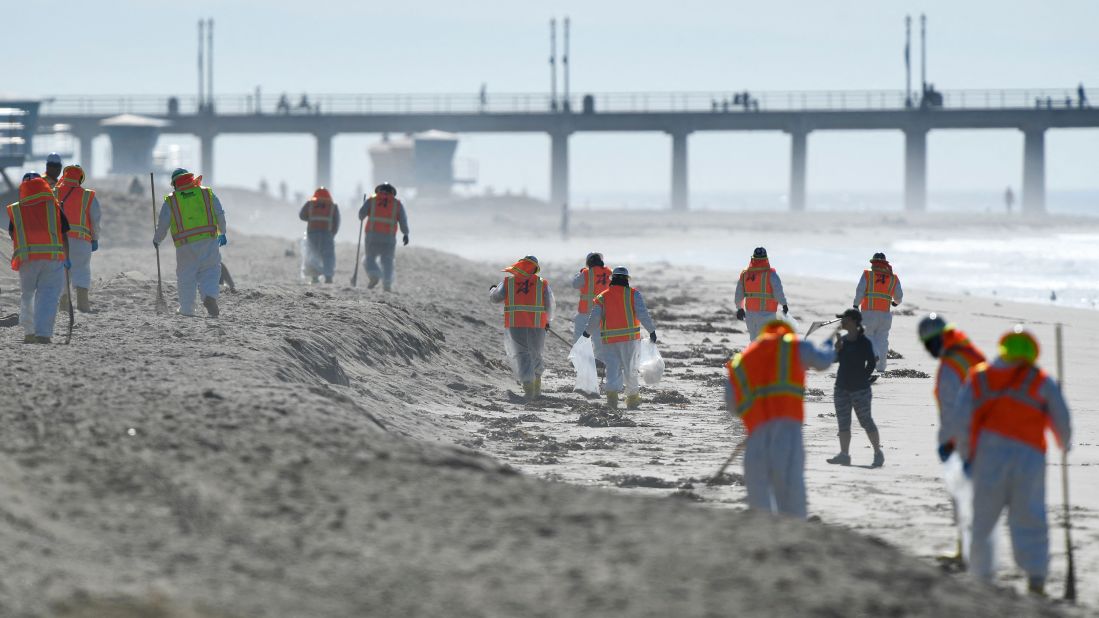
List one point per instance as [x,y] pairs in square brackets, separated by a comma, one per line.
[957,355]
[1010,403]
[878,291]
[81,208]
[383,214]
[39,235]
[528,311]
[592,280]
[323,216]
[766,387]
[194,215]
[53,169]
[852,389]
[758,293]
[620,313]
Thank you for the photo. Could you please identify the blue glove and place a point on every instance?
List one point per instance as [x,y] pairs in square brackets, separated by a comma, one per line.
[222,241]
[156,244]
[652,336]
[587,335]
[95,245]
[945,449]
[405,240]
[967,468]
[68,263]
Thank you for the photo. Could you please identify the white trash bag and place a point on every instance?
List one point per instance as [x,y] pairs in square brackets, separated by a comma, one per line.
[961,489]
[512,354]
[650,363]
[311,265]
[582,356]
[789,319]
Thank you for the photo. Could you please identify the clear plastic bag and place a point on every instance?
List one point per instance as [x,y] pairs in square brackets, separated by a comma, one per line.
[961,489]
[582,356]
[512,354]
[789,319]
[311,264]
[650,363]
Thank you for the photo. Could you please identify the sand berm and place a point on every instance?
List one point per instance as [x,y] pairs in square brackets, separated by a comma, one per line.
[298,457]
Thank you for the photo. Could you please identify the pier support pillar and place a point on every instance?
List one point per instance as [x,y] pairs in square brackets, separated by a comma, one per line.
[1034,171]
[915,169]
[679,170]
[85,138]
[798,150]
[206,163]
[324,159]
[559,169]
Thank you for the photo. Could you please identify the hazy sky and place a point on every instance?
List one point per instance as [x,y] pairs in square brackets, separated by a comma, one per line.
[129,46]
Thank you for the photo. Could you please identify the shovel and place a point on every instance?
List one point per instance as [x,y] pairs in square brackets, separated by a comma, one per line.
[815,326]
[161,304]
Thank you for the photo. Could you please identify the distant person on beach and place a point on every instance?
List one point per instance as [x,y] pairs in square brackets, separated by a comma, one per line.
[1081,96]
[620,313]
[957,356]
[381,215]
[758,293]
[53,169]
[528,311]
[1011,403]
[1009,199]
[40,247]
[592,280]
[878,291]
[765,388]
[323,217]
[82,210]
[196,220]
[855,355]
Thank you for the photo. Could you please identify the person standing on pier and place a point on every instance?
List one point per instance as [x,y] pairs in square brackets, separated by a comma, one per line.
[878,291]
[759,293]
[382,214]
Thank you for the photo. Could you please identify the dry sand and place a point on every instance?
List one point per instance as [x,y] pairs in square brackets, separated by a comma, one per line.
[328,451]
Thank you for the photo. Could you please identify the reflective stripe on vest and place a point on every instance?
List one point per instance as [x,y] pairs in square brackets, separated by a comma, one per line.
[618,321]
[322,215]
[1006,401]
[959,359]
[596,281]
[383,218]
[78,210]
[781,381]
[524,307]
[36,223]
[758,293]
[879,289]
[193,216]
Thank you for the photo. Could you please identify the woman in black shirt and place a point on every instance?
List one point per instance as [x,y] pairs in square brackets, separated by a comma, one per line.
[856,363]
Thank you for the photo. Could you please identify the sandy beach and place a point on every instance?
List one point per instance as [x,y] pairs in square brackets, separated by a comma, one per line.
[334,451]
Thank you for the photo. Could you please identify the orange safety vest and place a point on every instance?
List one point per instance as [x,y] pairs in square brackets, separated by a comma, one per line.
[1006,401]
[36,224]
[758,293]
[959,355]
[619,321]
[881,283]
[596,281]
[77,206]
[523,305]
[384,214]
[768,381]
[322,215]
[193,217]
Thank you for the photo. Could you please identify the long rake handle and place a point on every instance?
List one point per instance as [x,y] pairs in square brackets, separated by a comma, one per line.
[159,286]
[1070,576]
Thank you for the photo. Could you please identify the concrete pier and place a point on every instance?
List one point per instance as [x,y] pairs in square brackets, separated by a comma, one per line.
[679,170]
[1034,170]
[559,168]
[798,157]
[915,169]
[324,159]
[206,162]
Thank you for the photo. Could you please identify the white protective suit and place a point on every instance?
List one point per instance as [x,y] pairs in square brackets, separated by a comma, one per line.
[80,251]
[198,264]
[528,343]
[1010,473]
[876,324]
[756,320]
[621,358]
[41,283]
[581,319]
[774,459]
